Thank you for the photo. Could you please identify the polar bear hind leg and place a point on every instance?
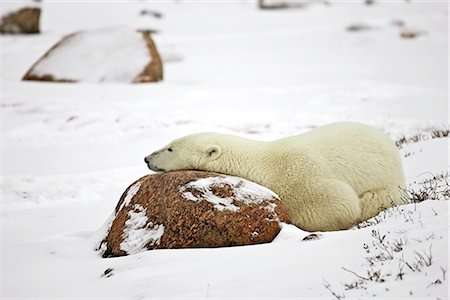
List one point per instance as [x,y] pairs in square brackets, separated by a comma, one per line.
[336,206]
[375,201]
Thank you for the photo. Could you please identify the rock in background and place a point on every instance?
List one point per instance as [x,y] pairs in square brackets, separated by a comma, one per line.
[18,17]
[191,209]
[102,55]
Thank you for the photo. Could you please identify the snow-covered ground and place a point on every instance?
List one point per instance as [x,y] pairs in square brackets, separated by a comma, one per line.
[70,150]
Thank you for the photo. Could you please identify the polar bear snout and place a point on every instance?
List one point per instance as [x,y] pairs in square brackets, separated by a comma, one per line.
[149,160]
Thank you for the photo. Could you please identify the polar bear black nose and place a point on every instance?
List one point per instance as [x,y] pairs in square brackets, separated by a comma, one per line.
[146,160]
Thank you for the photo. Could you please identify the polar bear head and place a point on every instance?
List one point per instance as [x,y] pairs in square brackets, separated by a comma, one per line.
[197,151]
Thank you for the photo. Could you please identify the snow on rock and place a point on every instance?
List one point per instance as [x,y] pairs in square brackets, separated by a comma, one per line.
[101,55]
[242,190]
[167,211]
[131,192]
[139,232]
[106,227]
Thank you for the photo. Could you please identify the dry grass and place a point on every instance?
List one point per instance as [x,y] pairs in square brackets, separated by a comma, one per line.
[436,187]
[423,135]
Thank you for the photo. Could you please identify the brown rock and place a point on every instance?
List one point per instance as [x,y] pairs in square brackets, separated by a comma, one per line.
[410,33]
[152,71]
[26,20]
[192,209]
[358,27]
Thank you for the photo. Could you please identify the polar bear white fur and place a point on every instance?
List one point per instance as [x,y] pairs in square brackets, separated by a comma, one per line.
[329,178]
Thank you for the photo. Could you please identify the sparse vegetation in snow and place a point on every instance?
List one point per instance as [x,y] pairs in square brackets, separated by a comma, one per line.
[399,260]
[423,135]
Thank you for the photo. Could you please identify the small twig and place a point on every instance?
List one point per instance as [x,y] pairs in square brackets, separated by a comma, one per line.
[400,270]
[426,258]
[435,213]
[354,273]
[407,264]
[421,224]
[328,287]
[385,248]
[444,271]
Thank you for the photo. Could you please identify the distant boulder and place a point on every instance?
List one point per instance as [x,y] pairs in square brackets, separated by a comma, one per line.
[104,55]
[19,17]
[191,209]
[358,27]
[411,33]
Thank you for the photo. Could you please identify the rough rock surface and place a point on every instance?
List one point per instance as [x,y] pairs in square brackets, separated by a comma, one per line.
[191,209]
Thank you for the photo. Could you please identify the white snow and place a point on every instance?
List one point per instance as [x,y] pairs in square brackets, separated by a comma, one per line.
[102,55]
[137,233]
[243,190]
[69,151]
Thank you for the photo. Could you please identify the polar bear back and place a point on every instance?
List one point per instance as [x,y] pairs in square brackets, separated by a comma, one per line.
[358,154]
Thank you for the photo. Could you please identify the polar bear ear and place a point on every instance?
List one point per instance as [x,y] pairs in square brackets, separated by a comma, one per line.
[213,151]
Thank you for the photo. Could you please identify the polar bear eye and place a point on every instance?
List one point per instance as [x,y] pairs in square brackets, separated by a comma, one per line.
[170,150]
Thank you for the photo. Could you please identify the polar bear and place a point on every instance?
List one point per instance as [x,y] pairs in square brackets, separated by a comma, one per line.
[329,178]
